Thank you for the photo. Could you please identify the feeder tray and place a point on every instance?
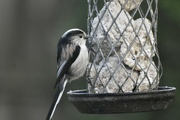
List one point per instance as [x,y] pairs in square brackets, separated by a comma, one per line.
[109,103]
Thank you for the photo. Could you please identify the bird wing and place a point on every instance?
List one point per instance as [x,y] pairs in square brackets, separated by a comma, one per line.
[65,66]
[62,80]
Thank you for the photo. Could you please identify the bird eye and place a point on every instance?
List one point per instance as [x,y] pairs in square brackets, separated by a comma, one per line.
[80,36]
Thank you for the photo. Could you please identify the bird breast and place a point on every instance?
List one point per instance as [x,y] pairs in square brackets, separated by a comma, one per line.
[78,68]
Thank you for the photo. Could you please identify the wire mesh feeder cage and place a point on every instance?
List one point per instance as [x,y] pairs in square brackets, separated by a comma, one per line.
[125,69]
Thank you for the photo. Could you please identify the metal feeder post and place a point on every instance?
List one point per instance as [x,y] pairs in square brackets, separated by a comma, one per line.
[125,69]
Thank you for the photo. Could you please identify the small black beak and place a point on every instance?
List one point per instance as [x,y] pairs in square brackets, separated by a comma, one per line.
[86,37]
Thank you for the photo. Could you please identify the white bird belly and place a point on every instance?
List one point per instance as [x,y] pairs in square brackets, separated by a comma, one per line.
[78,68]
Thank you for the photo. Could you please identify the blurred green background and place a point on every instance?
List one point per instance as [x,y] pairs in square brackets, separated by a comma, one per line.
[29,32]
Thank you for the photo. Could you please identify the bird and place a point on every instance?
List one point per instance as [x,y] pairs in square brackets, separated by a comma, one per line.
[72,61]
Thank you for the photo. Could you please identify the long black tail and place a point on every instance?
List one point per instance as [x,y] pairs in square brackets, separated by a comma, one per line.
[56,99]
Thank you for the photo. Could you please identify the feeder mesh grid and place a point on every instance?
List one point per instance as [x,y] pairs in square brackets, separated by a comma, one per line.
[123,46]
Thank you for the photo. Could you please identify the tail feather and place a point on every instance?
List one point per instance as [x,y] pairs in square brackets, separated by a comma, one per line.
[56,99]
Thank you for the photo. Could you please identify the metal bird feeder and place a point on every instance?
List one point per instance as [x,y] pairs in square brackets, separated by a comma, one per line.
[125,69]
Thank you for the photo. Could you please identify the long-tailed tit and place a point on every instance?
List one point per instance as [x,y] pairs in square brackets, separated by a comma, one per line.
[72,60]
